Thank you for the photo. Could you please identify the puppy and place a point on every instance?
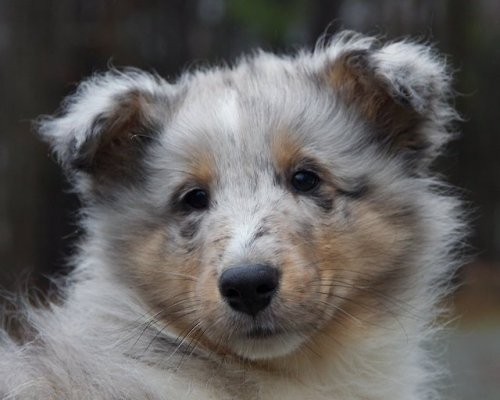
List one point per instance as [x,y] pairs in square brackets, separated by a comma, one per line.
[268,230]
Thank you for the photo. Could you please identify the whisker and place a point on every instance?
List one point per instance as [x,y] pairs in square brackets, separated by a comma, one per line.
[179,317]
[398,303]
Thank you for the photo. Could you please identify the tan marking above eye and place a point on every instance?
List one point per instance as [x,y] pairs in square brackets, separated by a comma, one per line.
[286,152]
[201,168]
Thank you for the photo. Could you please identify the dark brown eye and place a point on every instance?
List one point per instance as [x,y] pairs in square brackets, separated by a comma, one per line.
[197,199]
[305,181]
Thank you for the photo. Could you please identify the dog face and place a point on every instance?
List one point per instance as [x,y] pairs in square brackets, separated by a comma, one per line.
[253,207]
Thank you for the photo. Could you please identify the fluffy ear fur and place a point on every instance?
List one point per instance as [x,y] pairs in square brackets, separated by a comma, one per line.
[402,89]
[105,124]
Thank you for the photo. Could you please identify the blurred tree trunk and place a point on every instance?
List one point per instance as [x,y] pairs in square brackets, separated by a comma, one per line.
[477,164]
[325,16]
[26,230]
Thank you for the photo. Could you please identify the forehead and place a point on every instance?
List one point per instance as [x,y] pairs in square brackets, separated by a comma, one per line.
[258,114]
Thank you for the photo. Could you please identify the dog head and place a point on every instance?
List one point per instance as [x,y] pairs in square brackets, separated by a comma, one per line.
[254,206]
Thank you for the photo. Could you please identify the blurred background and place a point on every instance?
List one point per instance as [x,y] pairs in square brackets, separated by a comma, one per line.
[47,46]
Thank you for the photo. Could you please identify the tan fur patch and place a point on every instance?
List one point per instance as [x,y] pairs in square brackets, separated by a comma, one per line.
[357,281]
[202,168]
[366,272]
[286,152]
[167,281]
[176,285]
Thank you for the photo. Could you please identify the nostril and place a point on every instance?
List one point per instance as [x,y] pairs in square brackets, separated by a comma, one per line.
[265,289]
[229,293]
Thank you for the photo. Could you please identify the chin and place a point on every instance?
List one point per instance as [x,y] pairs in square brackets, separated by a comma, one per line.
[266,347]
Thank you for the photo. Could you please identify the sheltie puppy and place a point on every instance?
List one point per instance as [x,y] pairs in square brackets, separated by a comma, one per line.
[266,230]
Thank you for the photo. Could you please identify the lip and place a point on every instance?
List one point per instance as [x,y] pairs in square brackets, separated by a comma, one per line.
[262,333]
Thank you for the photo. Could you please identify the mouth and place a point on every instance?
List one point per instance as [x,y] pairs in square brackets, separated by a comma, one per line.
[262,333]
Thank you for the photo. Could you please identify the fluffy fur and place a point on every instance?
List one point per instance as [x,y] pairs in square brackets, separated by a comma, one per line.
[363,257]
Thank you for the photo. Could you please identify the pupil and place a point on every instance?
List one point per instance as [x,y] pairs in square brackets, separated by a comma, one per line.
[197,199]
[304,181]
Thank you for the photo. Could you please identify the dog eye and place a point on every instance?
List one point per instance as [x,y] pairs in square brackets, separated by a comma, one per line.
[305,181]
[197,199]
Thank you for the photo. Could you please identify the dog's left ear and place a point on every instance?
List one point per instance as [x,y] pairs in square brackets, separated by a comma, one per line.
[401,89]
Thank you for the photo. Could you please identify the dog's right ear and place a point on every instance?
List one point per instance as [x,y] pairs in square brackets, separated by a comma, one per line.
[401,89]
[105,125]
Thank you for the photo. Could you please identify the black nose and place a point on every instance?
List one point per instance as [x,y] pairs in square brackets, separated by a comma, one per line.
[249,288]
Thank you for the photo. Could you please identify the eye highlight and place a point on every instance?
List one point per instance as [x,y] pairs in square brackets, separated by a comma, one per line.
[197,199]
[304,181]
